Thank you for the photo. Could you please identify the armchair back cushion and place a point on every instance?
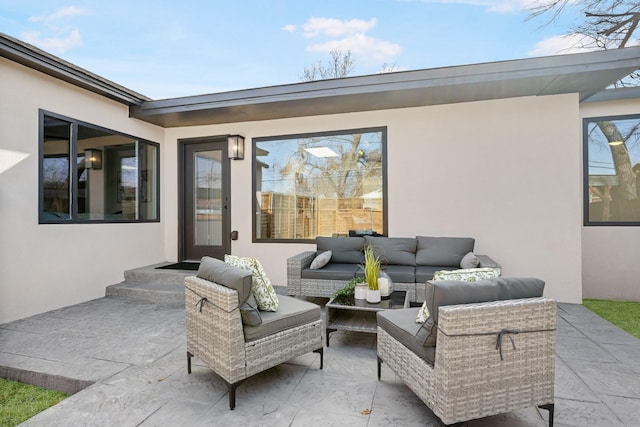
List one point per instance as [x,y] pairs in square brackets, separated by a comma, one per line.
[393,250]
[346,250]
[443,251]
[450,292]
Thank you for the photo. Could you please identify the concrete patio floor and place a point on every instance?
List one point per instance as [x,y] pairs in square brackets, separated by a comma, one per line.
[134,356]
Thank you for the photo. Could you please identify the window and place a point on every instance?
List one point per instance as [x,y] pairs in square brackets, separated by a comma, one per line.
[88,173]
[321,184]
[612,170]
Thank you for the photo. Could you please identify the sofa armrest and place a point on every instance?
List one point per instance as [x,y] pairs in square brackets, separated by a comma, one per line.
[295,265]
[487,262]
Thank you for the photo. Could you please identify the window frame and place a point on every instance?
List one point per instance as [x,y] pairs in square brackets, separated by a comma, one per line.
[254,202]
[585,172]
[73,156]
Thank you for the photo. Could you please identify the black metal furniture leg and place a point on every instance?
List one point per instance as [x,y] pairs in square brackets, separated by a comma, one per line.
[232,393]
[551,408]
[189,356]
[379,368]
[321,352]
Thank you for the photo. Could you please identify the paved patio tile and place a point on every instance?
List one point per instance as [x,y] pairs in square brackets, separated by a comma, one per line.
[136,354]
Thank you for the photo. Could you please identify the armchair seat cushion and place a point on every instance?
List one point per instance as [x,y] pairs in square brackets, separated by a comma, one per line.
[425,272]
[401,325]
[332,271]
[291,312]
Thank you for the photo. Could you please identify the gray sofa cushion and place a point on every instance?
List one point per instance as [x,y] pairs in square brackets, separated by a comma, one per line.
[217,271]
[332,271]
[343,249]
[443,251]
[291,312]
[398,273]
[393,250]
[425,272]
[450,292]
[401,325]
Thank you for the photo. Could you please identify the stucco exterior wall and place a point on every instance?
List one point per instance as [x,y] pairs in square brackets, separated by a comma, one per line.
[43,267]
[610,266]
[506,172]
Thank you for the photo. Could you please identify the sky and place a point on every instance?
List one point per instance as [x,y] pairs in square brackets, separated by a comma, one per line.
[165,49]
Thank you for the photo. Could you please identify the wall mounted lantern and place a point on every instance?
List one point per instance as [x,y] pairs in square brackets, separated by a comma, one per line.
[92,158]
[236,147]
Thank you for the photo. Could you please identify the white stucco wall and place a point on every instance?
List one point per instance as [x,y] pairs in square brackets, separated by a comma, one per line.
[610,254]
[43,267]
[506,172]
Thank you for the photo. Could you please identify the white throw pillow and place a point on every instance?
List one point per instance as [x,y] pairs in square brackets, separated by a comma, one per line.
[261,287]
[321,260]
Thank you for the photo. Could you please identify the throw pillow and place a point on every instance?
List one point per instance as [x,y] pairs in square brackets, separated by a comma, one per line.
[470,260]
[320,260]
[263,291]
[465,275]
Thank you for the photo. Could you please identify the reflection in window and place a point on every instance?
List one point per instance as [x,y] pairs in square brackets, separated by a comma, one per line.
[118,182]
[612,155]
[324,184]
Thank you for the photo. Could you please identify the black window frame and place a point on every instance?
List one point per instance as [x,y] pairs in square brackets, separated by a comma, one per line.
[384,162]
[73,155]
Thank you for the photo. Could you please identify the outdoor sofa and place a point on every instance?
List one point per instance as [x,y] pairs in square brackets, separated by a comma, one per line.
[409,262]
[486,348]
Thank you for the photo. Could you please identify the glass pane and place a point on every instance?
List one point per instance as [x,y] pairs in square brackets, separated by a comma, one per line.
[148,181]
[614,169]
[319,185]
[56,184]
[207,198]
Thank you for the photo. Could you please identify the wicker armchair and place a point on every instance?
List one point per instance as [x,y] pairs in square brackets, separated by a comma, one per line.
[215,334]
[490,358]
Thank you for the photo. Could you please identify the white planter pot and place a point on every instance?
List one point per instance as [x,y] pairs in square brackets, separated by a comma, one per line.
[360,291]
[373,297]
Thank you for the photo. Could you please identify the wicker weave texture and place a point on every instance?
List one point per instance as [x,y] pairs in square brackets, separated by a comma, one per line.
[469,380]
[295,265]
[274,349]
[214,334]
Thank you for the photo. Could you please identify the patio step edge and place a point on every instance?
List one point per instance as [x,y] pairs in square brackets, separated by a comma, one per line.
[161,293]
[42,379]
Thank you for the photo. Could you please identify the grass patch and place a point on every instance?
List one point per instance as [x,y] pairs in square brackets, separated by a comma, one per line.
[19,402]
[623,314]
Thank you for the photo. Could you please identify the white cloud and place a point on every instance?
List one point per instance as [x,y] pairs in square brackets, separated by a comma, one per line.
[368,49]
[59,14]
[558,45]
[315,27]
[289,28]
[53,44]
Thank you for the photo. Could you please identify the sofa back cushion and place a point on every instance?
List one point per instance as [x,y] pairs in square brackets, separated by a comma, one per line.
[393,250]
[346,250]
[450,292]
[443,251]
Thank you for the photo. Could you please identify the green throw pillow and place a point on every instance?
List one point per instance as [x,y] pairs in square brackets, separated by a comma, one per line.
[262,290]
[465,275]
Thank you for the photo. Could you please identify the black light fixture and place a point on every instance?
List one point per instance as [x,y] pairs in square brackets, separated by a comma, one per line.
[236,147]
[92,158]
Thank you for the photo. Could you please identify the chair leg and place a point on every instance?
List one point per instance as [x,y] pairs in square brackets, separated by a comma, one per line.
[551,408]
[232,393]
[189,356]
[379,368]
[321,352]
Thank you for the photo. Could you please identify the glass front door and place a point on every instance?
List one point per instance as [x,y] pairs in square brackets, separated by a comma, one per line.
[205,199]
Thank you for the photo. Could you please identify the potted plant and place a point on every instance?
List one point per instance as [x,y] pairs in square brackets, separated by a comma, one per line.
[371,269]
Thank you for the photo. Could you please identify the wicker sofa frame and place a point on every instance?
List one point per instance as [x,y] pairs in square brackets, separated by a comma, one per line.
[215,336]
[490,358]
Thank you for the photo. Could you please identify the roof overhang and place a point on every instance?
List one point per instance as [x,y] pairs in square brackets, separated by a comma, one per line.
[37,59]
[585,74]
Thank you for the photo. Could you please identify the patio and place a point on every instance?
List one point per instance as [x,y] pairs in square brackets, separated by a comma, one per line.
[134,355]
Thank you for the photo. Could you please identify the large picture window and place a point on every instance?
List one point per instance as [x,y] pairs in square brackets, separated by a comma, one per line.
[321,184]
[88,173]
[612,171]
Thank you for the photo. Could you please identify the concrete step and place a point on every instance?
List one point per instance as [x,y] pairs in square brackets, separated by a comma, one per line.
[151,274]
[166,294]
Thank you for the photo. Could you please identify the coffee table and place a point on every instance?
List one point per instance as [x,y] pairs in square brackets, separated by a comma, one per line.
[361,315]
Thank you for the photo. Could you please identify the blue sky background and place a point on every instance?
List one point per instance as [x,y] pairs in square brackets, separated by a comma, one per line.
[170,49]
